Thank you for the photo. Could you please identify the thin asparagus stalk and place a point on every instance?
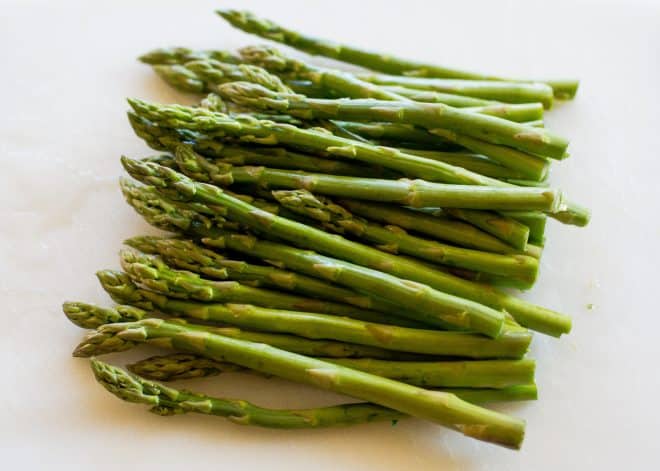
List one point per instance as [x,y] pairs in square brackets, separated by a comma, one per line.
[428,96]
[426,115]
[246,21]
[166,401]
[431,305]
[165,216]
[122,290]
[429,374]
[393,239]
[270,133]
[443,408]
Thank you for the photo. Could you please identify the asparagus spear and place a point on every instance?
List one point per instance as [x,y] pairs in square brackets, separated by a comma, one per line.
[187,255]
[534,220]
[160,212]
[428,96]
[264,132]
[246,21]
[426,115]
[415,193]
[167,401]
[394,239]
[443,408]
[431,305]
[123,291]
[430,374]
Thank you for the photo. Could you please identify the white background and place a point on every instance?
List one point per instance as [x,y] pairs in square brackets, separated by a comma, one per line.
[66,68]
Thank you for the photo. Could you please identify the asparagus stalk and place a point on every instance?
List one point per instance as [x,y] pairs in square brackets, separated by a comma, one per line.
[264,132]
[430,304]
[534,220]
[429,96]
[429,374]
[395,240]
[187,255]
[122,290]
[443,408]
[246,21]
[415,193]
[160,214]
[167,401]
[426,115]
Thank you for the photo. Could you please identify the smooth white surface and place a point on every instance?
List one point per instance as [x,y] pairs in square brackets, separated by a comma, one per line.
[67,67]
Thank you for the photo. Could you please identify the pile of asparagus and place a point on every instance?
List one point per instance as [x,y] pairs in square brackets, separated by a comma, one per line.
[352,231]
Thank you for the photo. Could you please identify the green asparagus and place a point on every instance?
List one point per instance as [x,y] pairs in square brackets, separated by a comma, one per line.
[270,133]
[246,21]
[426,115]
[393,239]
[429,374]
[430,304]
[159,213]
[167,401]
[442,408]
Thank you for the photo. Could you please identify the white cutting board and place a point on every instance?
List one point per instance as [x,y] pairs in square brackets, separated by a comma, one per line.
[67,67]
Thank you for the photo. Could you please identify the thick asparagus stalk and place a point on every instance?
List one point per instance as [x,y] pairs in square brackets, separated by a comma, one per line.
[270,133]
[246,21]
[166,216]
[122,290]
[429,304]
[187,255]
[429,374]
[426,115]
[167,401]
[414,193]
[442,408]
[394,239]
